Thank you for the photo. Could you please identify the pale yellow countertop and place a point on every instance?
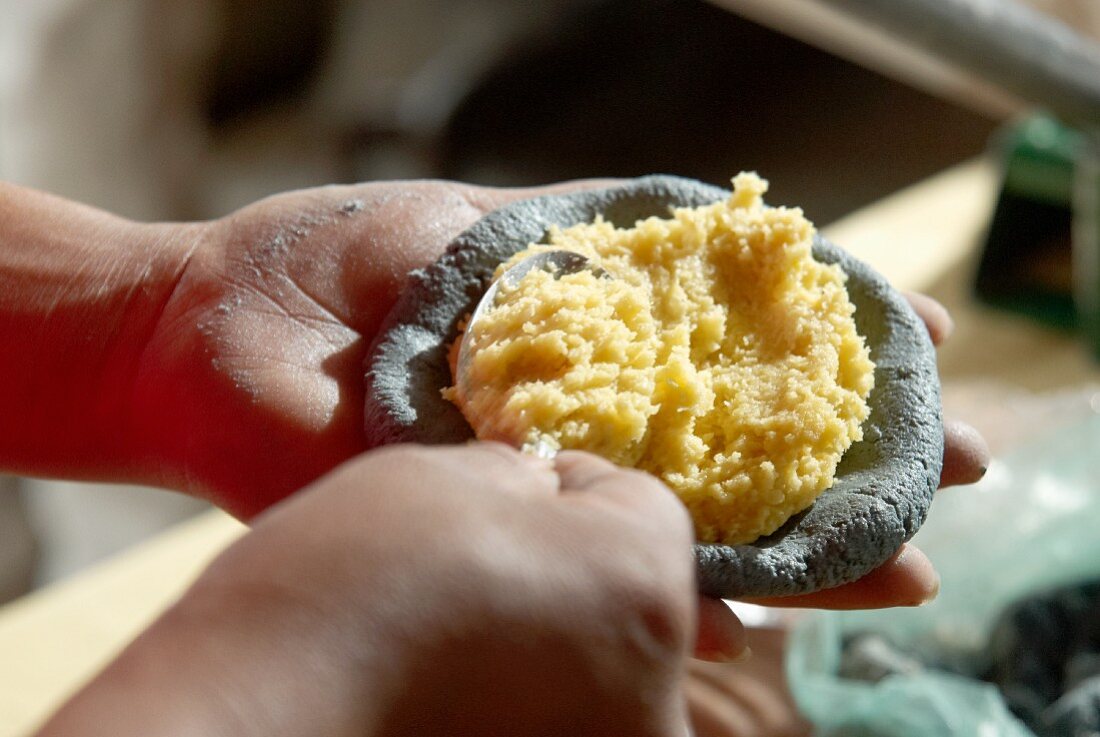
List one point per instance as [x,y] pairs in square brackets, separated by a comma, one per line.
[923,238]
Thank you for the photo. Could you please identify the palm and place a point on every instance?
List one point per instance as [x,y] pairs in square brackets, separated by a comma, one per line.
[259,355]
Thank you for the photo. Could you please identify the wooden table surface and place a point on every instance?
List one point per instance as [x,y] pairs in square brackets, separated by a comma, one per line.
[923,238]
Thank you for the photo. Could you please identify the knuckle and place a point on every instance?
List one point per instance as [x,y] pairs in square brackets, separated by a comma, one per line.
[579,470]
[654,613]
[496,451]
[651,587]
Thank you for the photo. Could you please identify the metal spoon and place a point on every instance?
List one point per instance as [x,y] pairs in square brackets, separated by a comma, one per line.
[558,263]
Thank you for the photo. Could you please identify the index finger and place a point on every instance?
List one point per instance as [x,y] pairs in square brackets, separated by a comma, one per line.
[935,316]
[907,579]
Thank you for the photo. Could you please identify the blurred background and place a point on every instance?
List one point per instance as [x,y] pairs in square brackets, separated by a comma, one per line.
[183,109]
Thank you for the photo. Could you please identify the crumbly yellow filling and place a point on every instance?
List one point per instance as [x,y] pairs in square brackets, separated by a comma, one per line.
[716,354]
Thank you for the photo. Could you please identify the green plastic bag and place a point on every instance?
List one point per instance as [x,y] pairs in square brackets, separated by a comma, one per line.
[1032,524]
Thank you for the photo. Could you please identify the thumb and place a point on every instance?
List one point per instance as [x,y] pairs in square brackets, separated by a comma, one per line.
[490,198]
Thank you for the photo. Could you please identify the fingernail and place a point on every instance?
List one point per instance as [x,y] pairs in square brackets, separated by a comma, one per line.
[932,594]
[741,657]
[717,656]
[948,326]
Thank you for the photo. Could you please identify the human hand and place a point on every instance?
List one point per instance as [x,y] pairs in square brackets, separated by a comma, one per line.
[448,590]
[445,590]
[251,384]
[745,699]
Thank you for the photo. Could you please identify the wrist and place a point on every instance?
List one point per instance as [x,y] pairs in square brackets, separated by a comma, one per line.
[79,290]
[242,660]
[156,261]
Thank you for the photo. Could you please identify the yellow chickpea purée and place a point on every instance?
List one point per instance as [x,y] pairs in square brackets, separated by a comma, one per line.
[719,356]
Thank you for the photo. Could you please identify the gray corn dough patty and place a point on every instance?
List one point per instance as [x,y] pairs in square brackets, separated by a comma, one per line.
[884,483]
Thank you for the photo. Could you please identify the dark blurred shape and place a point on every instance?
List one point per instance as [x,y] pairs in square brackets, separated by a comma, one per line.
[871,657]
[268,50]
[1077,714]
[1027,262]
[18,547]
[1042,655]
[633,87]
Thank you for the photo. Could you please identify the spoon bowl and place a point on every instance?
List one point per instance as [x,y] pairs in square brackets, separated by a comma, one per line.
[557,262]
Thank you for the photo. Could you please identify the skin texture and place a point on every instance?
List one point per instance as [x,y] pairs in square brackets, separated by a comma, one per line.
[573,581]
[80,294]
[258,356]
[500,596]
[224,360]
[747,698]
